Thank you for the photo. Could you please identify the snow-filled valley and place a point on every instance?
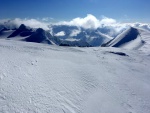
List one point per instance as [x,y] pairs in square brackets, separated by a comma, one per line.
[48,77]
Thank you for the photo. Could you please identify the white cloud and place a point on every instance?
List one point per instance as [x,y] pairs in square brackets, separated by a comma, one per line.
[47,19]
[89,22]
[62,33]
[107,21]
[142,25]
[15,23]
[75,32]
[109,26]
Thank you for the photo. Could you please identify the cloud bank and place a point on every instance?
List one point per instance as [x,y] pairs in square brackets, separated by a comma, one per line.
[15,23]
[112,26]
[90,22]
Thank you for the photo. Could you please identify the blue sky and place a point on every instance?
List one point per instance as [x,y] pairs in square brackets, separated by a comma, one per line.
[122,10]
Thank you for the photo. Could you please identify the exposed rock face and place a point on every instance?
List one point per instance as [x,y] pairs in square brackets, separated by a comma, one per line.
[26,33]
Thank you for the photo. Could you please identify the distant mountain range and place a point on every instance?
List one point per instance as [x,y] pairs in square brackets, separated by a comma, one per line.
[60,35]
[63,35]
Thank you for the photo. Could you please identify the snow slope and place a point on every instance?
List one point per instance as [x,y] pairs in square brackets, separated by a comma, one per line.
[37,78]
[132,38]
[125,37]
[6,33]
[146,38]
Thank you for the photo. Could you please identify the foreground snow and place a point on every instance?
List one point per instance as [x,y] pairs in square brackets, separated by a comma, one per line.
[36,78]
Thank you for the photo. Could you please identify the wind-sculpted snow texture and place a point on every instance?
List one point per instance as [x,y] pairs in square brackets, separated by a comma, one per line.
[38,78]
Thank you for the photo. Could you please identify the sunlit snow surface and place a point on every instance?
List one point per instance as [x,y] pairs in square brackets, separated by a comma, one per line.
[36,78]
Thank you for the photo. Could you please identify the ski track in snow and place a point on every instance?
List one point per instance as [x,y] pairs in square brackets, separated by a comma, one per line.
[36,78]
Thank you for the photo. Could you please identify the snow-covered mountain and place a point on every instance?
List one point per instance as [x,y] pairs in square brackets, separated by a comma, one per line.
[59,35]
[91,36]
[39,36]
[22,31]
[63,35]
[132,38]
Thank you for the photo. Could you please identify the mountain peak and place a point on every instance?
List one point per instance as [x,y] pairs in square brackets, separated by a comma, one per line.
[125,37]
[22,27]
